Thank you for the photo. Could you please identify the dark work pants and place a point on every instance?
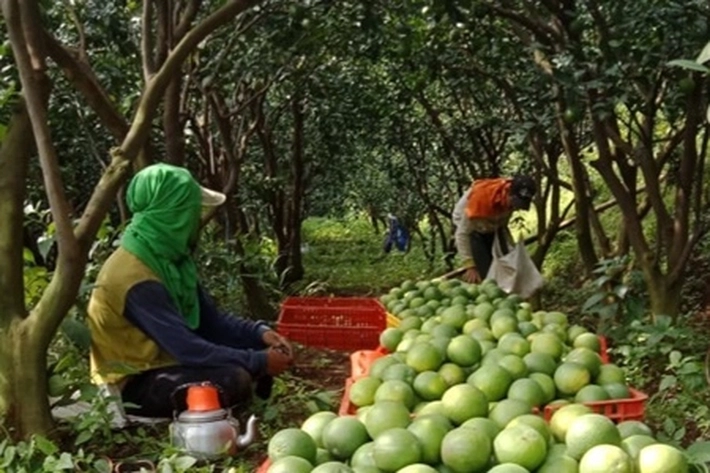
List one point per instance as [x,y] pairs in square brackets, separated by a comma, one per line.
[153,390]
[482,249]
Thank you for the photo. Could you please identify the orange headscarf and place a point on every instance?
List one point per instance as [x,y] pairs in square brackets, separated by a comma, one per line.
[488,198]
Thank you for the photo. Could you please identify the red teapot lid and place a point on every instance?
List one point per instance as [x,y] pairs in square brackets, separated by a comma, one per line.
[203,397]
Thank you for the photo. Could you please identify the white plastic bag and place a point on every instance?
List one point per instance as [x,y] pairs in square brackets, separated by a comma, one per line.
[515,272]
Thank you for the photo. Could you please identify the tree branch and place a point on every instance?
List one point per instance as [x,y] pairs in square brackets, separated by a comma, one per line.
[82,77]
[147,41]
[24,31]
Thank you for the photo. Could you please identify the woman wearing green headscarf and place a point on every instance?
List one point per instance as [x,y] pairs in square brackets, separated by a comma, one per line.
[153,327]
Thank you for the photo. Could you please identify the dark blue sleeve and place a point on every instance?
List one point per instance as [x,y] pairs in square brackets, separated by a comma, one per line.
[150,308]
[226,329]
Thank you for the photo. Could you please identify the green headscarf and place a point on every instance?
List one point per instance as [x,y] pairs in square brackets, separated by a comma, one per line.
[166,202]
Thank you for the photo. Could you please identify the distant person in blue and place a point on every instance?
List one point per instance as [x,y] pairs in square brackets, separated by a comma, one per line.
[397,235]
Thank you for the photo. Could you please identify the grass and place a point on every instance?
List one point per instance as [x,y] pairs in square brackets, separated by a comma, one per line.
[346,257]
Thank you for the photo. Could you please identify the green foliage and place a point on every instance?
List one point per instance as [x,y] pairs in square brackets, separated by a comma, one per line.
[663,358]
[345,257]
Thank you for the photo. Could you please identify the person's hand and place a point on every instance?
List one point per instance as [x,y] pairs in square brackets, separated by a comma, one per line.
[273,339]
[472,276]
[277,361]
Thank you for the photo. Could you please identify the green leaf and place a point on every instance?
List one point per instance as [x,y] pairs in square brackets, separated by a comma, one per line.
[65,462]
[704,55]
[46,446]
[9,455]
[667,382]
[675,357]
[83,437]
[185,462]
[593,300]
[688,64]
[699,452]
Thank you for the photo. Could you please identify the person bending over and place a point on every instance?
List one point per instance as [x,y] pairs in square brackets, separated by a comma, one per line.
[482,213]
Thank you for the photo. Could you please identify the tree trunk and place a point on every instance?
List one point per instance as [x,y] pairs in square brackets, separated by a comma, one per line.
[23,382]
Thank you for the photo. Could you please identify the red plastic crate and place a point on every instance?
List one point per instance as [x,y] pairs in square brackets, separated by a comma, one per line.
[347,408]
[264,467]
[340,323]
[361,360]
[617,410]
[604,350]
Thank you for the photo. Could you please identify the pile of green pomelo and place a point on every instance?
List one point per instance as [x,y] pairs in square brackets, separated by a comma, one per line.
[469,374]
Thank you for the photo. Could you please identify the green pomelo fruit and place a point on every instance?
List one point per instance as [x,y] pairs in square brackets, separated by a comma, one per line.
[514,344]
[503,325]
[464,351]
[617,391]
[363,456]
[390,338]
[293,442]
[472,325]
[521,445]
[315,424]
[587,340]
[483,310]
[633,444]
[410,322]
[430,435]
[563,417]
[323,456]
[606,459]
[395,449]
[528,390]
[398,371]
[343,435]
[454,316]
[465,450]
[660,458]
[333,467]
[378,366]
[484,424]
[610,374]
[508,468]
[464,401]
[570,378]
[590,430]
[396,390]
[547,384]
[418,468]
[386,415]
[493,380]
[362,391]
[540,363]
[555,317]
[508,409]
[628,428]
[290,464]
[452,374]
[430,385]
[547,343]
[514,365]
[591,393]
[559,464]
[533,421]
[587,358]
[482,334]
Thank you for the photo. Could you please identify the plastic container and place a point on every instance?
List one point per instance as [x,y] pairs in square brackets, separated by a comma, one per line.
[346,407]
[604,350]
[361,360]
[339,323]
[617,410]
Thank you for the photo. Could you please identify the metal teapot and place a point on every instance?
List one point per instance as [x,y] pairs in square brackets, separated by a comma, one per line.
[205,430]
